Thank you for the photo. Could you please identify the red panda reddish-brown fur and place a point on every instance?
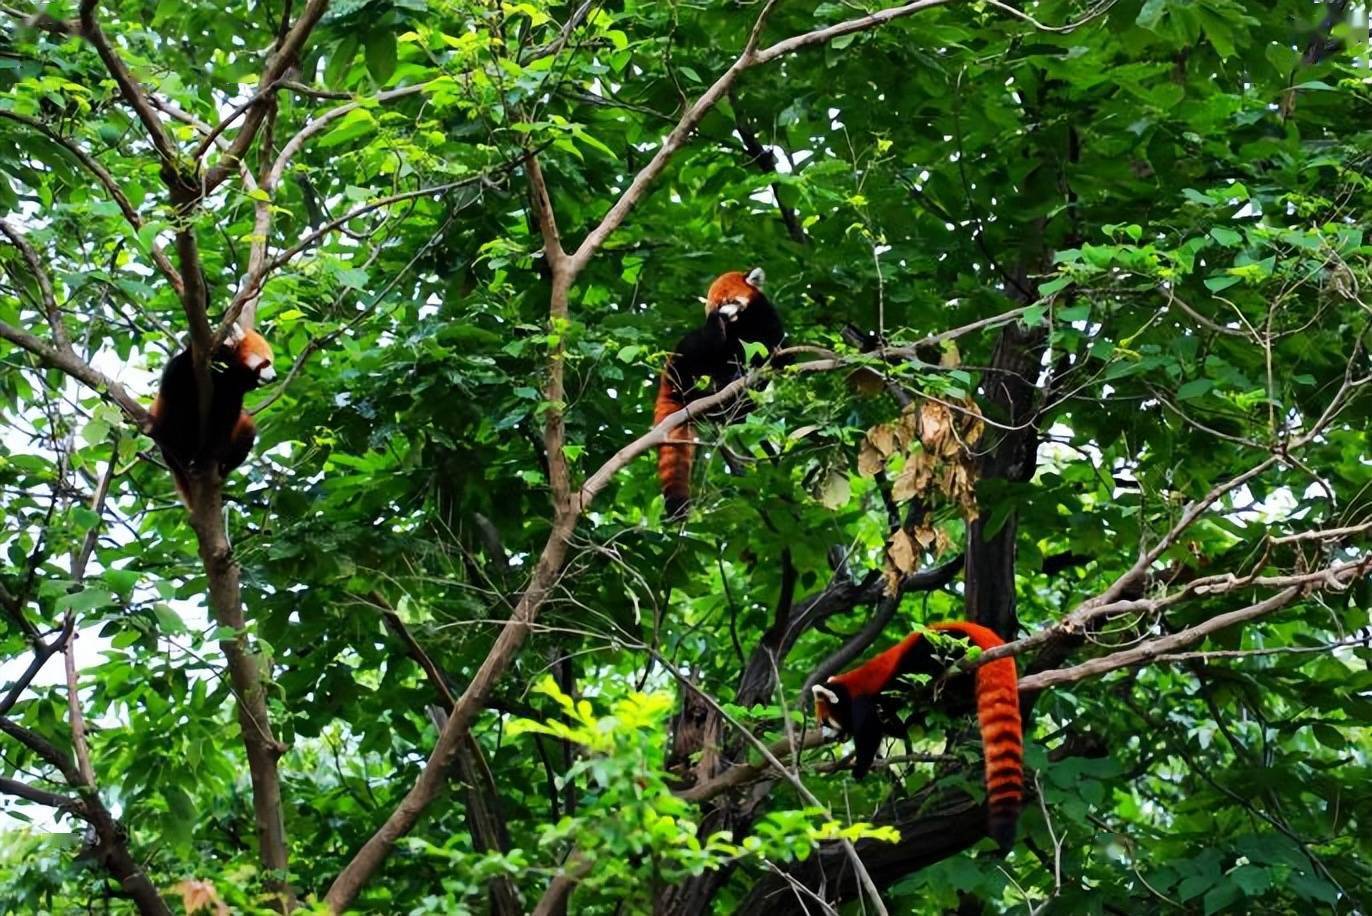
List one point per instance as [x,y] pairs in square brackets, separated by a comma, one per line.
[225,436]
[736,312]
[850,706]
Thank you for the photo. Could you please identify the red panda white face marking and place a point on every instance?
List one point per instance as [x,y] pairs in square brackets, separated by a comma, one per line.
[261,365]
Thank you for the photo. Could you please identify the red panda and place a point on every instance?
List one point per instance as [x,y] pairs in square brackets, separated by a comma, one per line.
[226,435]
[846,703]
[736,312]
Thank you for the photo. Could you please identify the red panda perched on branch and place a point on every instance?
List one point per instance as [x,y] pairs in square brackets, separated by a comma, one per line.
[847,703]
[225,435]
[736,313]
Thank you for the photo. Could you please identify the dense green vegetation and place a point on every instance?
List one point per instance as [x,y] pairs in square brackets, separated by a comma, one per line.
[1079,301]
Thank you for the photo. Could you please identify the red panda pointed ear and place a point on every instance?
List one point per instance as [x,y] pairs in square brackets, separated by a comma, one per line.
[755,278]
[824,693]
[236,334]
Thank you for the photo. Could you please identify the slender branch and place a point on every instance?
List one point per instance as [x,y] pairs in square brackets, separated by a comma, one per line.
[571,25]
[40,276]
[911,351]
[41,655]
[1324,534]
[252,285]
[1153,648]
[78,722]
[743,773]
[280,61]
[210,138]
[673,142]
[391,618]
[315,125]
[1335,577]
[80,557]
[848,27]
[701,406]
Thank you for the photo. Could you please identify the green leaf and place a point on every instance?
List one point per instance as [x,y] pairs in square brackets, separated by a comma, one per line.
[1194,389]
[1226,237]
[379,50]
[354,124]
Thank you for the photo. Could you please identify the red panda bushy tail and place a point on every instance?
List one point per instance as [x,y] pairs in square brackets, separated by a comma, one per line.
[1002,740]
[674,458]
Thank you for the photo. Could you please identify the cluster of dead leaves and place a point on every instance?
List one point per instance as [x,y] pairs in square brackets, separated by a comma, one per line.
[935,438]
[201,897]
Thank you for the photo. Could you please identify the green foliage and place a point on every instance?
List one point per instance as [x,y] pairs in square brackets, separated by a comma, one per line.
[630,832]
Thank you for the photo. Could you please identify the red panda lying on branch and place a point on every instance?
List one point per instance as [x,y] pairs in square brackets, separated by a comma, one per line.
[847,704]
[224,437]
[736,313]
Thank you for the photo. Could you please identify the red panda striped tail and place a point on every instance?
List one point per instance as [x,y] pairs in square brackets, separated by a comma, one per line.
[1002,744]
[674,458]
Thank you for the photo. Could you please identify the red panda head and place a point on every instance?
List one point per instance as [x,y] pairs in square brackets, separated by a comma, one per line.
[252,353]
[831,707]
[733,292]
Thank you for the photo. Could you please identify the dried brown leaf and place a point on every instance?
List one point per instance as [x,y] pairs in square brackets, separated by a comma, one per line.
[935,425]
[901,552]
[834,490]
[906,484]
[870,461]
[883,438]
[197,895]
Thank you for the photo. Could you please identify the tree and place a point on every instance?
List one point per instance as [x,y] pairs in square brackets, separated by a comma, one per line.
[1078,339]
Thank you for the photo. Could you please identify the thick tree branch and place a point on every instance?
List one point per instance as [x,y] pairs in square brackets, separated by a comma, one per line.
[484,817]
[129,87]
[248,675]
[80,370]
[38,796]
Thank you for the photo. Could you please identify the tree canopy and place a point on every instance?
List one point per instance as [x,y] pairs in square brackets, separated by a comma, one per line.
[1077,348]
